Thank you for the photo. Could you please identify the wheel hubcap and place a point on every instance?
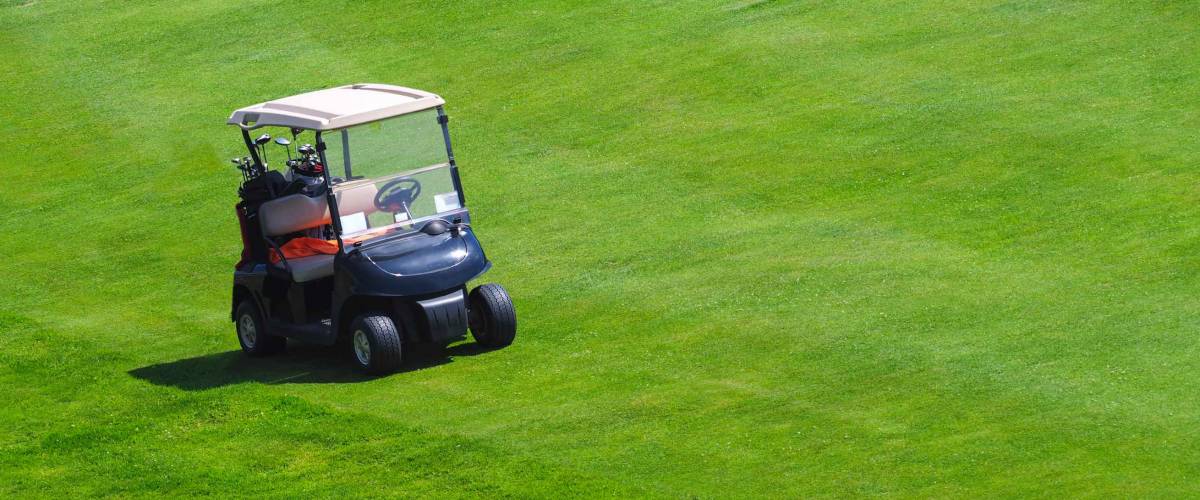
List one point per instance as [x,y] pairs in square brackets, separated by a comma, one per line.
[247,331]
[362,347]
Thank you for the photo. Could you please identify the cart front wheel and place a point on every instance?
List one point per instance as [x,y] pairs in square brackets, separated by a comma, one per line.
[252,332]
[375,342]
[491,316]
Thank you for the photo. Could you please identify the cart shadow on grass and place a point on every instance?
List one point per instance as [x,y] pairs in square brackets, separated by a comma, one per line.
[301,364]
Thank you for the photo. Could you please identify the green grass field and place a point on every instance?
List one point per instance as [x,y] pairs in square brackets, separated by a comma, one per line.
[772,248]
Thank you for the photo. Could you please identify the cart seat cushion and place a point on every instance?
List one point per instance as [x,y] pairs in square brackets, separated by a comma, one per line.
[311,268]
[292,213]
[297,212]
[358,197]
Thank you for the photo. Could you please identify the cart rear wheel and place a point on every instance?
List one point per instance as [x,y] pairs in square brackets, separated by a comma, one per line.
[491,316]
[252,332]
[375,343]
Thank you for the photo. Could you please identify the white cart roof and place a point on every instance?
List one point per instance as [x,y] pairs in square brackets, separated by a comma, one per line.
[335,108]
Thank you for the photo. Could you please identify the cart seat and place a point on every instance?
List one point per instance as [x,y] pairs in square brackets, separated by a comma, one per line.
[297,212]
[311,268]
[291,214]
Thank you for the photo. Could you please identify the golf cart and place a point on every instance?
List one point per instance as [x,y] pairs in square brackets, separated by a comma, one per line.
[364,239]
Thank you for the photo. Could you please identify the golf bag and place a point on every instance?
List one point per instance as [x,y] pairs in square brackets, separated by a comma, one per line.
[253,193]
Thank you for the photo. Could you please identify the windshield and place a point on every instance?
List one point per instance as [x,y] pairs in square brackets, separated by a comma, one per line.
[389,175]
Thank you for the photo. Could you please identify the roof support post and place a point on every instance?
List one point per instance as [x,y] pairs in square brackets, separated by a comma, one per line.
[445,123]
[330,198]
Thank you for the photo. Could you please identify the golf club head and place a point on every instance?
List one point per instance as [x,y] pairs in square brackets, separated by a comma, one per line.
[262,139]
[307,149]
[282,141]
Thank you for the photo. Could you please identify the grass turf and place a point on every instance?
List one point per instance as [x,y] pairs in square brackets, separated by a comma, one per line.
[927,248]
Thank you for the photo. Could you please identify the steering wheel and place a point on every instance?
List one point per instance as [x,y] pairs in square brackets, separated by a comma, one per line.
[397,194]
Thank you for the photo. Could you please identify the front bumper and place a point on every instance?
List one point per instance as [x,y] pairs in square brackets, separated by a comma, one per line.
[445,317]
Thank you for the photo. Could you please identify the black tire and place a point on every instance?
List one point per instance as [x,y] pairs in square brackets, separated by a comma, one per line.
[252,332]
[382,347]
[491,316]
